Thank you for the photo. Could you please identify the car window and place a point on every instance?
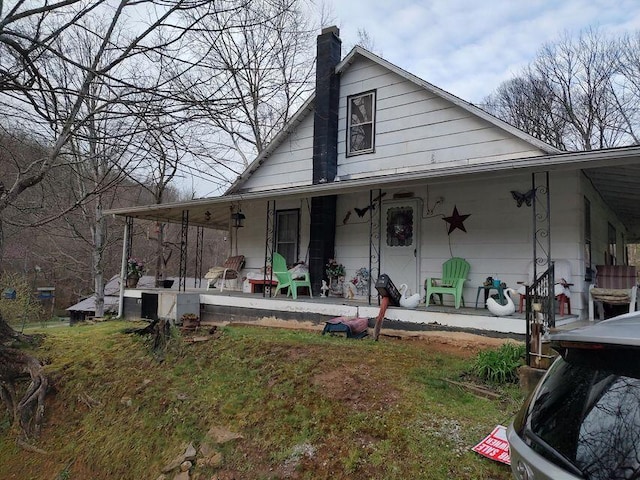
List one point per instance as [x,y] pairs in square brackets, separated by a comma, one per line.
[591,417]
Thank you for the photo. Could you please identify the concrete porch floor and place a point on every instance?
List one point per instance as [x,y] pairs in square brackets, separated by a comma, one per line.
[233,305]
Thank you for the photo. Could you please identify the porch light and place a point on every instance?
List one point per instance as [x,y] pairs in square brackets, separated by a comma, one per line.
[238,219]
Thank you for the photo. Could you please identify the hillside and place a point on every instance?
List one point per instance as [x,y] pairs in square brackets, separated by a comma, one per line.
[257,403]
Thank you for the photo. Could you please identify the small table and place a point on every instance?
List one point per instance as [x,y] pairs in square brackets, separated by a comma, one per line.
[487,289]
[259,285]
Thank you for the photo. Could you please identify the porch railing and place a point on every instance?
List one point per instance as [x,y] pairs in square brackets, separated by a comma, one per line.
[540,314]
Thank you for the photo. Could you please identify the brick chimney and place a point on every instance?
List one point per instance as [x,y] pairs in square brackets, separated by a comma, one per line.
[325,153]
[325,120]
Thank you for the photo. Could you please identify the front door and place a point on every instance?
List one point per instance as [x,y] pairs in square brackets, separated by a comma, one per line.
[400,255]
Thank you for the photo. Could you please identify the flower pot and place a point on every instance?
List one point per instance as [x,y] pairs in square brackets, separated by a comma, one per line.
[336,286]
[132,281]
[190,322]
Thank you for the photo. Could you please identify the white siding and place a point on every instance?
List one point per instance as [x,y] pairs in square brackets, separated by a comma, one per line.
[289,165]
[252,237]
[414,130]
[498,240]
[417,130]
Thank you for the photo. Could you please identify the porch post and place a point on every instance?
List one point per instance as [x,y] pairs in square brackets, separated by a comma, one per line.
[197,281]
[183,251]
[268,245]
[541,257]
[375,239]
[126,251]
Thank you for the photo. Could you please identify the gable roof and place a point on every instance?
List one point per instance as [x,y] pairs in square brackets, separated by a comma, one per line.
[308,107]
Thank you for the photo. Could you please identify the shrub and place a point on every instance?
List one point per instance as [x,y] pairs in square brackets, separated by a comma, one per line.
[24,307]
[501,365]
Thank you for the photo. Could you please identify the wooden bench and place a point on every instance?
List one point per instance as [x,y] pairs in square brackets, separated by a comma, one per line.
[258,285]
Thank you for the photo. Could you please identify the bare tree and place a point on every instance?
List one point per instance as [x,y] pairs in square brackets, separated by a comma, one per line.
[571,95]
[627,83]
[526,103]
[90,79]
[165,147]
[58,88]
[262,66]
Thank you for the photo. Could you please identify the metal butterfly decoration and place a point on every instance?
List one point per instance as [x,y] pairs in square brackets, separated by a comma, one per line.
[362,211]
[521,198]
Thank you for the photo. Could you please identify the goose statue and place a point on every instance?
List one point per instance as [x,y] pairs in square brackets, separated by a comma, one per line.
[501,310]
[408,302]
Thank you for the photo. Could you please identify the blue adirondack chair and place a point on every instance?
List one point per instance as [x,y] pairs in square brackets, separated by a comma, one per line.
[279,266]
[454,274]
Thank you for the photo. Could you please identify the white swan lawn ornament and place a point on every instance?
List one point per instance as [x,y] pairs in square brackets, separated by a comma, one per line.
[501,310]
[324,289]
[408,302]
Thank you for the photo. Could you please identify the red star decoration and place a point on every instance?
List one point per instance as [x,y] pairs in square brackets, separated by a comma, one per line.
[455,220]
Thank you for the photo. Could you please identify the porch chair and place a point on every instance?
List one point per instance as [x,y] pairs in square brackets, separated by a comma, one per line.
[562,274]
[230,270]
[615,285]
[454,274]
[285,278]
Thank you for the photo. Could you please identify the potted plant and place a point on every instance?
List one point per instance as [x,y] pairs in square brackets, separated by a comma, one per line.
[135,269]
[190,321]
[335,273]
[361,281]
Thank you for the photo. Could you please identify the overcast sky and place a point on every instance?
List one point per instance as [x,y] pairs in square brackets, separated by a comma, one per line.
[468,47]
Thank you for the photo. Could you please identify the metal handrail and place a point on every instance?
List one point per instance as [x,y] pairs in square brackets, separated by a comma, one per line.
[540,311]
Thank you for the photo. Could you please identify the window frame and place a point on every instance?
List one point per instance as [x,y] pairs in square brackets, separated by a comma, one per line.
[612,244]
[372,122]
[276,240]
[587,241]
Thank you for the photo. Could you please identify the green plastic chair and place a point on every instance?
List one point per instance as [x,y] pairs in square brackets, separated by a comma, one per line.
[279,266]
[454,274]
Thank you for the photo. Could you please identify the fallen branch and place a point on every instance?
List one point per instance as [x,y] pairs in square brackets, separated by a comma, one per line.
[476,390]
[31,448]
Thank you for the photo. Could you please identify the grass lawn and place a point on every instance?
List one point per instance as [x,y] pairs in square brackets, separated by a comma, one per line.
[307,406]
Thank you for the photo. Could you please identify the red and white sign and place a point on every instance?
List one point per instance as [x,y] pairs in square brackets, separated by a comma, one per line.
[495,446]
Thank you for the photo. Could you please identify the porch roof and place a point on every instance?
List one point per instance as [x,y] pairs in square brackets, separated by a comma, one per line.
[614,173]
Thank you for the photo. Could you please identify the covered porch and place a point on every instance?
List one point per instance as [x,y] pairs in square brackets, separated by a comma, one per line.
[613,175]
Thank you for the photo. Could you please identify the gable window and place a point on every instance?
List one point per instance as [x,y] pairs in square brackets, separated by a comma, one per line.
[287,234]
[361,111]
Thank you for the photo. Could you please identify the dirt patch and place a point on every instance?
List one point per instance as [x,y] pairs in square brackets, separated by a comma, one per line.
[461,344]
[455,343]
[355,388]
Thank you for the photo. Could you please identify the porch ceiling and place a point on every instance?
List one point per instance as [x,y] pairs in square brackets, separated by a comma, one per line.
[204,213]
[614,173]
[619,187]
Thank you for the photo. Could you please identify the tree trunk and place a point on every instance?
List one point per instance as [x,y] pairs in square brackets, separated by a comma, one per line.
[8,335]
[160,255]
[160,331]
[15,366]
[98,256]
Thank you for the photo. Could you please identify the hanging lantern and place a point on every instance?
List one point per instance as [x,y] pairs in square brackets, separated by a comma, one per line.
[238,219]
